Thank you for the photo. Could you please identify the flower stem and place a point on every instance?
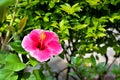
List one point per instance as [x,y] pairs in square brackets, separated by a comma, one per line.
[36,73]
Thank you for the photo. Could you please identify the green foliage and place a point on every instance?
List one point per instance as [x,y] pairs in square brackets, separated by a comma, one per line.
[9,65]
[17,47]
[70,10]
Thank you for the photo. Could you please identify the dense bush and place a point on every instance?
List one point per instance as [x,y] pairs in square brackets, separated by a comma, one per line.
[87,25]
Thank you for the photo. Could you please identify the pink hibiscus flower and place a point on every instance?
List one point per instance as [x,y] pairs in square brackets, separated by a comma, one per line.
[41,44]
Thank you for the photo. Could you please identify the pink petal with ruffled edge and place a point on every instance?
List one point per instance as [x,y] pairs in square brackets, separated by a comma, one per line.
[34,35]
[55,47]
[41,55]
[50,36]
[27,44]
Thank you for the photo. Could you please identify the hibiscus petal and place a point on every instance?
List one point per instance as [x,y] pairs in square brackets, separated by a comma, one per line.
[27,44]
[41,55]
[51,36]
[35,35]
[55,46]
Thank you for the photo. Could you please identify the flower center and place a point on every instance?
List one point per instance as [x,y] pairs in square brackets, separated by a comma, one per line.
[40,47]
[41,44]
[42,36]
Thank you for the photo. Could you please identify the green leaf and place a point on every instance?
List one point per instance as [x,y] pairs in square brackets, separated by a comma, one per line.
[72,73]
[80,26]
[52,4]
[42,75]
[37,75]
[101,34]
[115,69]
[66,8]
[17,47]
[22,24]
[33,61]
[14,63]
[12,58]
[93,61]
[46,19]
[6,2]
[5,74]
[87,61]
[70,10]
[76,60]
[103,50]
[114,16]
[64,27]
[75,8]
[26,75]
[117,50]
[114,2]
[54,24]
[93,2]
[13,77]
[101,29]
[101,68]
[32,77]
[103,19]
[2,57]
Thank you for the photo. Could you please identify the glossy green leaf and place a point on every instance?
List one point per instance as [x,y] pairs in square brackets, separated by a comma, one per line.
[5,74]
[14,63]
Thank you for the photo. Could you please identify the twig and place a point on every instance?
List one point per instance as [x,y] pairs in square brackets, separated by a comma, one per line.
[110,65]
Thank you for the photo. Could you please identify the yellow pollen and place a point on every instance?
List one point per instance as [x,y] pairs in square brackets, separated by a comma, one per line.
[42,36]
